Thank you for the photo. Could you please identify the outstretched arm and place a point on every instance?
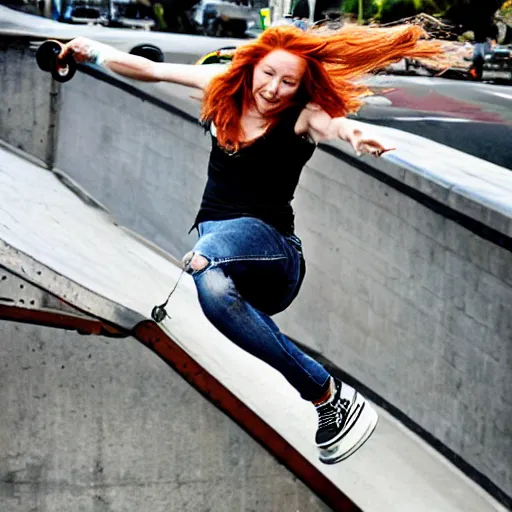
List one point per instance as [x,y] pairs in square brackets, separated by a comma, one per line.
[320,126]
[139,68]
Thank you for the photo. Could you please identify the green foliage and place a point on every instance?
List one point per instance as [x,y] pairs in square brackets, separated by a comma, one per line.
[464,12]
[393,10]
[370,7]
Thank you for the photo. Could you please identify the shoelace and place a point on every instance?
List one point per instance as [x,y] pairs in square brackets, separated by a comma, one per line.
[329,414]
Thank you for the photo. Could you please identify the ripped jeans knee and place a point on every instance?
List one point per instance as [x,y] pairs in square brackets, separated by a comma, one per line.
[193,263]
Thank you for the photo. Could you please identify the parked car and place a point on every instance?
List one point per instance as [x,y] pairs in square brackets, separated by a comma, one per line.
[217,18]
[133,15]
[84,14]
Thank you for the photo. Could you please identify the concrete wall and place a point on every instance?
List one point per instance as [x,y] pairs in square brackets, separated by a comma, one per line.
[28,101]
[147,166]
[96,424]
[412,304]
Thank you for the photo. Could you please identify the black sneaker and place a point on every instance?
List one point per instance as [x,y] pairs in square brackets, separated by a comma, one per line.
[345,422]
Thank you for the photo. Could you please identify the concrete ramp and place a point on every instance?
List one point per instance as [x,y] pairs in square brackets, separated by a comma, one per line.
[91,276]
[153,443]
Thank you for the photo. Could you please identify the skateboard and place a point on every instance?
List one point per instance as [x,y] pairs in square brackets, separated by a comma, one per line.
[47,60]
[47,57]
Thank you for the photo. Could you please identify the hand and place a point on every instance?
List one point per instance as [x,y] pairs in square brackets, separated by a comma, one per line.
[362,144]
[80,48]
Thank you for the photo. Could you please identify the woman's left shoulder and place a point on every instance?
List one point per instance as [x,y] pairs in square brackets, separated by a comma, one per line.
[310,111]
[306,115]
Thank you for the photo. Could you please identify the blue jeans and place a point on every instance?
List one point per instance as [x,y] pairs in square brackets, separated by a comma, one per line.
[480,50]
[253,272]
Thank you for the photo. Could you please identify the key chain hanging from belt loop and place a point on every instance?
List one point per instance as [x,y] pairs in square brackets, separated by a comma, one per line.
[159,313]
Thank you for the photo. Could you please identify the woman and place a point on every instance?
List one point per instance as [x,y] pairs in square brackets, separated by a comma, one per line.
[281,94]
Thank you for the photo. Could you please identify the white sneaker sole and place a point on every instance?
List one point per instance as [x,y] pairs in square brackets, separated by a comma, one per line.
[361,431]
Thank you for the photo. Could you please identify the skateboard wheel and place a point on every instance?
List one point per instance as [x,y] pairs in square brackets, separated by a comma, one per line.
[46,54]
[65,71]
[148,51]
[158,314]
[46,58]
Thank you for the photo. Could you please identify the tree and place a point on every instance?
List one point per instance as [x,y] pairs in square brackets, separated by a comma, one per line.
[392,10]
[463,14]
[370,8]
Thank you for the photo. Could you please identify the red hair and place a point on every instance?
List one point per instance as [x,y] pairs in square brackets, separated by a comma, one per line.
[332,61]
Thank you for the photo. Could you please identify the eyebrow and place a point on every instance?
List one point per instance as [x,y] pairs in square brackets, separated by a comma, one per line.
[285,76]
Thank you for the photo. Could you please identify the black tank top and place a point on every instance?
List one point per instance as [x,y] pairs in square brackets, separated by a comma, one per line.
[260,179]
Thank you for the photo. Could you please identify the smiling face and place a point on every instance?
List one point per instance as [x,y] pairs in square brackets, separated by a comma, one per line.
[276,79]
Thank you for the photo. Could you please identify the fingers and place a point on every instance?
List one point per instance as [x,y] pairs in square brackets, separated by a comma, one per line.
[66,50]
[372,147]
[355,140]
[369,146]
[68,47]
[79,48]
[379,151]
